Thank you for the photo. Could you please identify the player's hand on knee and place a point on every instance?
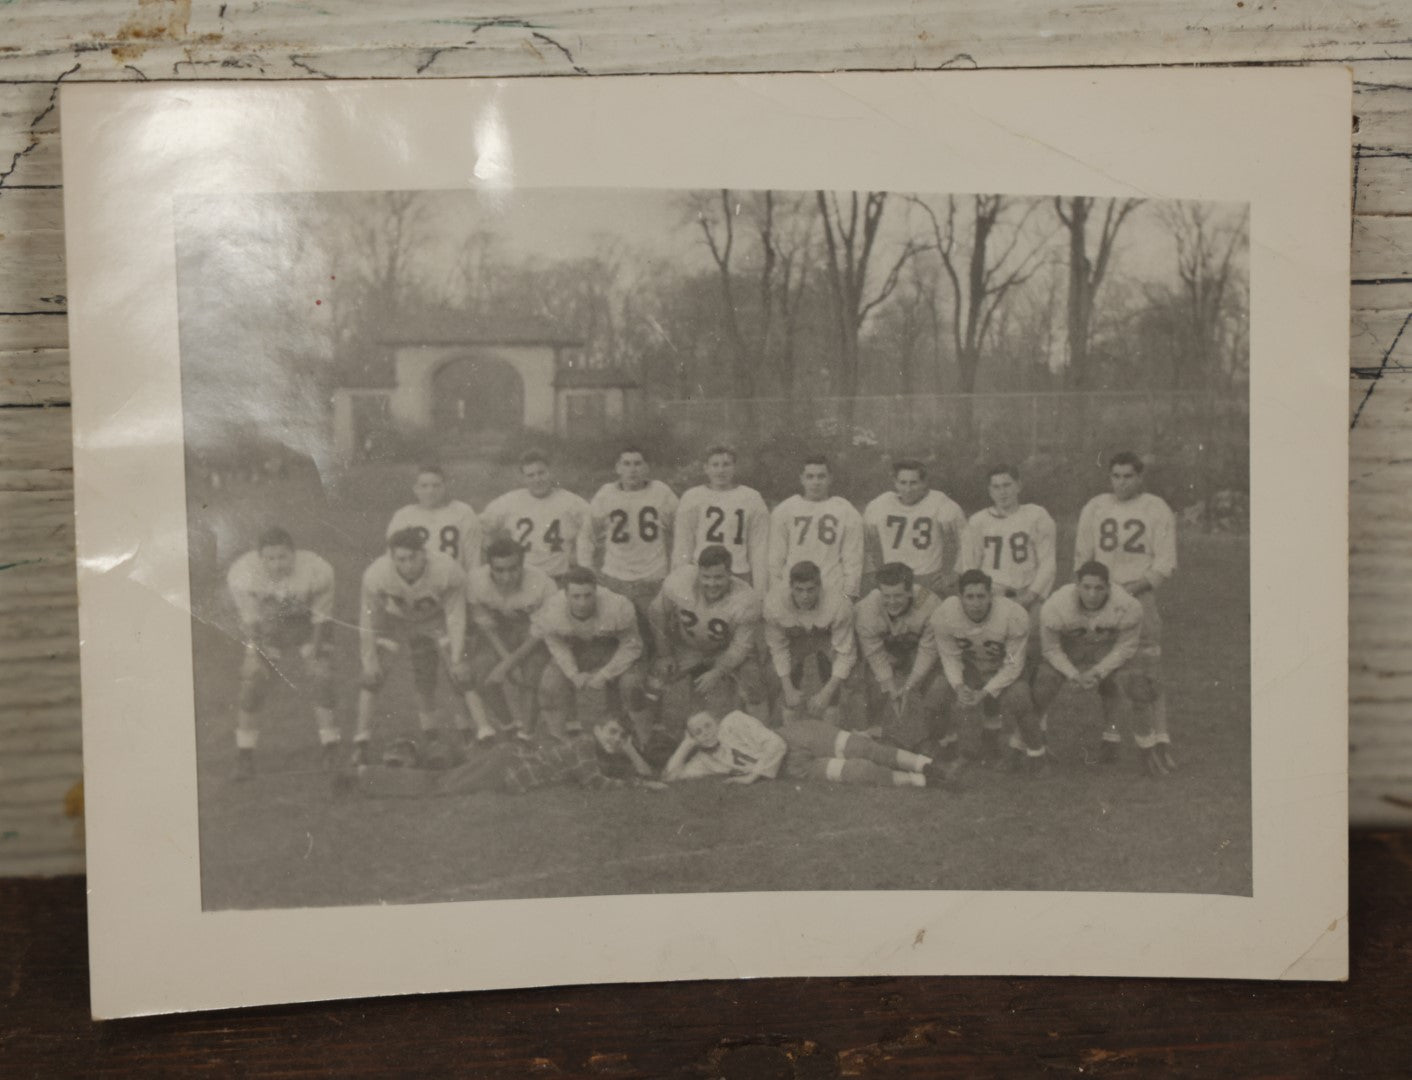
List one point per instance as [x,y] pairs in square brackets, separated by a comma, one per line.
[1089,681]
[388,646]
[596,681]
[820,701]
[793,696]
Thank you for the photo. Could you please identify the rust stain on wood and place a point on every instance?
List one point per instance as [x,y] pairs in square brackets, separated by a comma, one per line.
[153,21]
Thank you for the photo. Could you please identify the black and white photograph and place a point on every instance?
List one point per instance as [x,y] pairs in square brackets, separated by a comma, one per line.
[549,531]
[581,542]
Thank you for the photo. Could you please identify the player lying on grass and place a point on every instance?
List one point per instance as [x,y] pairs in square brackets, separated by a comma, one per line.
[604,759]
[629,538]
[804,621]
[707,624]
[1134,534]
[743,750]
[415,600]
[594,650]
[446,525]
[283,598]
[723,512]
[916,525]
[1090,632]
[891,622]
[980,640]
[507,661]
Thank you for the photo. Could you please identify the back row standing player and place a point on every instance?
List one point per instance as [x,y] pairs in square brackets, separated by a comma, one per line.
[543,518]
[820,528]
[1134,534]
[724,512]
[918,526]
[1013,543]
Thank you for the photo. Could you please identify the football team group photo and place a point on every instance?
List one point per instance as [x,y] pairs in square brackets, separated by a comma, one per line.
[564,543]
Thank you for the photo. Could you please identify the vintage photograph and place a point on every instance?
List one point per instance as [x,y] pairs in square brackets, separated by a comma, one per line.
[562,542]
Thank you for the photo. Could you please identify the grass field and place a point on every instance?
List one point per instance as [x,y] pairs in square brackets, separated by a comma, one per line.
[283,840]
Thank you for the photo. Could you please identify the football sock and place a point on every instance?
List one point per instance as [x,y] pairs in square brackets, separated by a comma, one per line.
[908,779]
[912,762]
[328,726]
[245,734]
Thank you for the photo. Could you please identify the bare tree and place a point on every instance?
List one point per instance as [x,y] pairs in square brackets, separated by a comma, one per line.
[1207,246]
[718,226]
[1086,272]
[850,231]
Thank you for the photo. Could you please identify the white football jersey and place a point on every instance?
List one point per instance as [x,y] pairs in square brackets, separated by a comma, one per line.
[424,602]
[305,595]
[632,529]
[1016,550]
[453,530]
[1136,539]
[736,519]
[547,529]
[917,535]
[743,743]
[828,533]
[1071,635]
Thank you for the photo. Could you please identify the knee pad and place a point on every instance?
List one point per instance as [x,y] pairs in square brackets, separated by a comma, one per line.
[1140,688]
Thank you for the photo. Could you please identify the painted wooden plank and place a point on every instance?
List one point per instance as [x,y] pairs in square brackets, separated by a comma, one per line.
[34,377]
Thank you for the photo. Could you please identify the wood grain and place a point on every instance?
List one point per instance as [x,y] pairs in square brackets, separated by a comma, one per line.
[765,1029]
[45,43]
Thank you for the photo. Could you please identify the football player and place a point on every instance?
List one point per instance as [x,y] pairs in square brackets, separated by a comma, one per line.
[820,528]
[916,525]
[1091,632]
[1134,534]
[594,646]
[804,620]
[283,598]
[1013,543]
[414,599]
[446,525]
[629,541]
[707,624]
[506,659]
[605,759]
[541,517]
[891,622]
[723,512]
[981,640]
[738,747]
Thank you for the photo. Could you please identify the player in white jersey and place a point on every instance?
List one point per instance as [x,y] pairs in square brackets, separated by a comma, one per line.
[723,512]
[916,525]
[743,750]
[542,518]
[505,658]
[1134,534]
[594,648]
[1013,543]
[707,623]
[414,599]
[891,622]
[820,528]
[284,600]
[629,541]
[803,619]
[446,525]
[980,639]
[1091,632]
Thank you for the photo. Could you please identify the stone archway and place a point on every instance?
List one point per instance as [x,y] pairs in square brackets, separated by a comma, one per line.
[476,397]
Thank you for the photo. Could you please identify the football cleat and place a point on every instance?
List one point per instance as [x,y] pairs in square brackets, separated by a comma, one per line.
[401,754]
[943,774]
[362,752]
[1037,767]
[331,756]
[1107,752]
[1164,751]
[1155,763]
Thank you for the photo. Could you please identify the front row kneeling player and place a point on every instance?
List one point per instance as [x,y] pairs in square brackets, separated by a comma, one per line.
[415,599]
[891,622]
[283,598]
[594,645]
[807,620]
[980,639]
[1090,632]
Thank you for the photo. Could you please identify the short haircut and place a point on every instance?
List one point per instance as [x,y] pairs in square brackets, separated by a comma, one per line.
[435,470]
[534,457]
[275,537]
[1092,568]
[720,448]
[502,547]
[714,555]
[412,538]
[816,459]
[580,575]
[1003,470]
[909,465]
[632,448]
[973,577]
[803,573]
[1127,457]
[895,573]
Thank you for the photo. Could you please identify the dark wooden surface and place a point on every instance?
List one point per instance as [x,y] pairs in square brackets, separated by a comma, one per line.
[776,1028]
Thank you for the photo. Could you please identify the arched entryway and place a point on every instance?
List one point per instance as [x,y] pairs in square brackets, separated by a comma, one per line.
[475,399]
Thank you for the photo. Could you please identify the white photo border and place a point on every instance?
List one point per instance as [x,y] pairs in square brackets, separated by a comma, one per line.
[1277,139]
